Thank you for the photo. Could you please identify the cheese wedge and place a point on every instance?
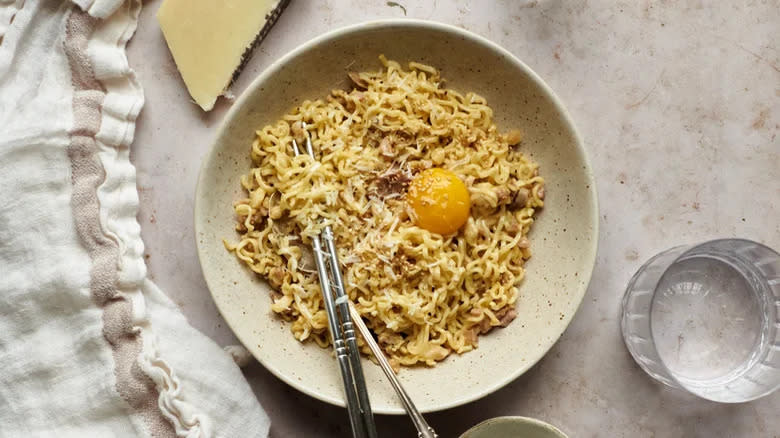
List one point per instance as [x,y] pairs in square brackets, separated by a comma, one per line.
[210,40]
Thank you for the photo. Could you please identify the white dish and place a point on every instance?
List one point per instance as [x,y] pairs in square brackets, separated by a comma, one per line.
[563,240]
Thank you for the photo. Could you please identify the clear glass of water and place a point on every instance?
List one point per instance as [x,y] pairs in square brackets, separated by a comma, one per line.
[704,318]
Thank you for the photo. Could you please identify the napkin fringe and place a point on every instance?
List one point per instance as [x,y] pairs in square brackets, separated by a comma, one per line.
[107,106]
[99,8]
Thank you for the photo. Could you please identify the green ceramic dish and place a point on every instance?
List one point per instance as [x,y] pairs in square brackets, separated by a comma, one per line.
[513,427]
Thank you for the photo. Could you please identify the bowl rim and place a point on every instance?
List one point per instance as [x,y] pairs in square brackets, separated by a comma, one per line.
[515,419]
[590,257]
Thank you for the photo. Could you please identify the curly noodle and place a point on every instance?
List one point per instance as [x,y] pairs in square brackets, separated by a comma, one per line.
[424,295]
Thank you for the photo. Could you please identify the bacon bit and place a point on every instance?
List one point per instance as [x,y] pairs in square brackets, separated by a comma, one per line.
[357,80]
[540,192]
[503,195]
[524,243]
[521,198]
[513,137]
[392,181]
[484,325]
[297,130]
[471,336]
[506,315]
[276,276]
[475,311]
[257,218]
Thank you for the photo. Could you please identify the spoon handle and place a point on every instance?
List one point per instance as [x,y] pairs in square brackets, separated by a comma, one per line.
[423,429]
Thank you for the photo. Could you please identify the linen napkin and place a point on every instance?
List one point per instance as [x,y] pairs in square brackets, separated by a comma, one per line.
[89,347]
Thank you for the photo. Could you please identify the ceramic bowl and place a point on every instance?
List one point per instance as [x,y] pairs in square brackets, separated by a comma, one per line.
[563,239]
[513,427]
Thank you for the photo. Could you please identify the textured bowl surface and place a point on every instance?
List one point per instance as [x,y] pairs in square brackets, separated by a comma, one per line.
[563,240]
[513,427]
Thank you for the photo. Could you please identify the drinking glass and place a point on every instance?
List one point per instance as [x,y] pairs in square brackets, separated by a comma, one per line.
[704,318]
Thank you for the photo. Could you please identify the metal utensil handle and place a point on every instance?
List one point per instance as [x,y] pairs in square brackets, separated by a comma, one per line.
[360,381]
[423,429]
[353,405]
[349,333]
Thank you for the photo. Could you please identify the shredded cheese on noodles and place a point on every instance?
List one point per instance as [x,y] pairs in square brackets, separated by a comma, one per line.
[422,294]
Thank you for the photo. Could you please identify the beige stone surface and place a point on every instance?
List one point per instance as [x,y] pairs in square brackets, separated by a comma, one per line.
[678,105]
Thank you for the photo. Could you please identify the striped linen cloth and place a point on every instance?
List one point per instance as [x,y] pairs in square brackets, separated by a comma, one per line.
[89,347]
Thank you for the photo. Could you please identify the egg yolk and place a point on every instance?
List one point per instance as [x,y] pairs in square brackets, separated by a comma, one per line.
[440,201]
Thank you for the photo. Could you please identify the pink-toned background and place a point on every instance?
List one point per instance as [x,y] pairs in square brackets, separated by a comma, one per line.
[678,105]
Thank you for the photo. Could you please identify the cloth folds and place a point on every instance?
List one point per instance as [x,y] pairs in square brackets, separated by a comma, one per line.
[88,345]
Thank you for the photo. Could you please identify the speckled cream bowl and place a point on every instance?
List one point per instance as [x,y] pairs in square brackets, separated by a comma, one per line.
[513,427]
[563,240]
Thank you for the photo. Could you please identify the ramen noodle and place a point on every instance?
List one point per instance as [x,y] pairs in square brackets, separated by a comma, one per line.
[423,295]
